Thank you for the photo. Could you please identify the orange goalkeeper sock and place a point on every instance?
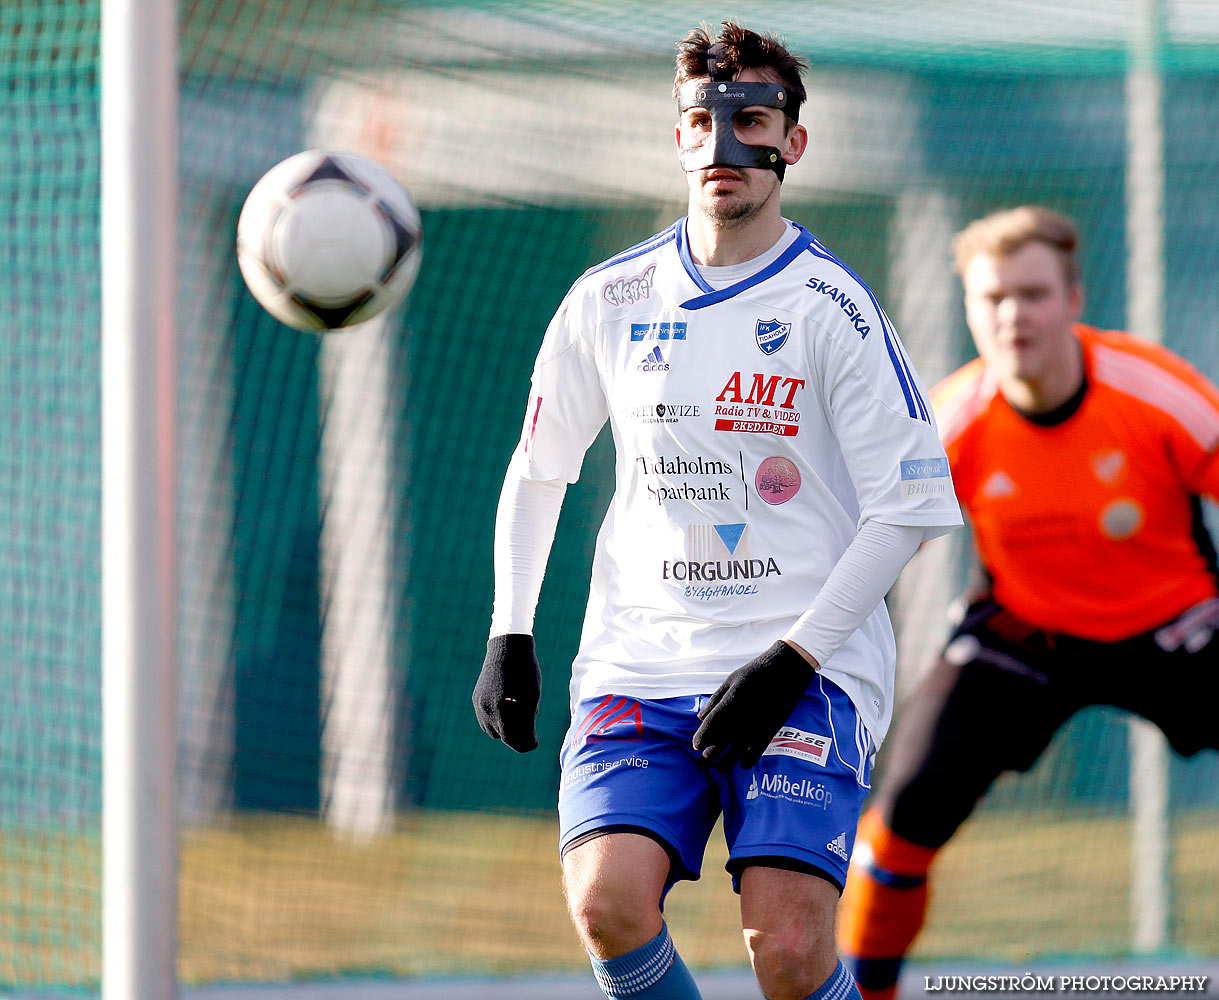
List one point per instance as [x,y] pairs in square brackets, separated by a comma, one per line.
[883,906]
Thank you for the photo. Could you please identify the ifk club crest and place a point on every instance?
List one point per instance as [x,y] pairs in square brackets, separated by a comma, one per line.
[771,334]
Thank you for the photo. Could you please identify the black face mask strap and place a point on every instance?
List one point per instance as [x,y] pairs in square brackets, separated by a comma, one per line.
[716,69]
[722,72]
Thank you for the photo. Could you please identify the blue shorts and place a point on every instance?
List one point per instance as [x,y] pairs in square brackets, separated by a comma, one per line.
[629,765]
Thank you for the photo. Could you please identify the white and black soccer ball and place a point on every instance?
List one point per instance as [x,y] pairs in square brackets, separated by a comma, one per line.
[328,239]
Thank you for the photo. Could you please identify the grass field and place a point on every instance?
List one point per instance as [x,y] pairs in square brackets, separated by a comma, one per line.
[466,893]
[279,898]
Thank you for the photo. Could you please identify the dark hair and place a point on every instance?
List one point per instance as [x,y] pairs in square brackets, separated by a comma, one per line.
[1002,233]
[743,49]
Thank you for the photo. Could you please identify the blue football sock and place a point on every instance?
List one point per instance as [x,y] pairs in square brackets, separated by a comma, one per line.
[840,986]
[652,972]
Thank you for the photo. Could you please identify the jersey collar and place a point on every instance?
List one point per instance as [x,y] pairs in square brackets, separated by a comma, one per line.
[710,295]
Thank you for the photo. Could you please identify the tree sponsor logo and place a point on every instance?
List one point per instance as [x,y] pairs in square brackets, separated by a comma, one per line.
[777,480]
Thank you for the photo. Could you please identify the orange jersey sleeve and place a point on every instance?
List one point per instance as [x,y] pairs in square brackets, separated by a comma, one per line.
[1170,384]
[1087,526]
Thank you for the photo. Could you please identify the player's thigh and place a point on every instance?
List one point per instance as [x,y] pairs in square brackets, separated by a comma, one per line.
[788,915]
[987,706]
[798,808]
[614,884]
[629,766]
[1171,678]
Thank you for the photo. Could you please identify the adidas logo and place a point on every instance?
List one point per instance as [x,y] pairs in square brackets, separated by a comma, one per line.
[839,845]
[653,361]
[998,485]
[753,791]
[1108,465]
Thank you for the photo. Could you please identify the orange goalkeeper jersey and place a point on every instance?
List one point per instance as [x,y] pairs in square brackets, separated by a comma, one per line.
[1090,526]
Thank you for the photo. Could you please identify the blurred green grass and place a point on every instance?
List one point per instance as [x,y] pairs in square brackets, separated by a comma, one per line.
[470,893]
[276,897]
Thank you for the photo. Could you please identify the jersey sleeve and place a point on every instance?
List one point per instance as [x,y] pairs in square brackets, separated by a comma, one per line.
[1186,400]
[567,405]
[957,402]
[1193,426]
[1207,477]
[886,430]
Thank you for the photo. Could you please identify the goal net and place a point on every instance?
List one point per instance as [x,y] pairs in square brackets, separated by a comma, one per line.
[340,811]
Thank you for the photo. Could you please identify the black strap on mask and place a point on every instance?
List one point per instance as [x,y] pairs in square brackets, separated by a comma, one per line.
[716,69]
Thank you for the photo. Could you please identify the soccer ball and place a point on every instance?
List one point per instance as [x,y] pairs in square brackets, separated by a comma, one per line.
[328,239]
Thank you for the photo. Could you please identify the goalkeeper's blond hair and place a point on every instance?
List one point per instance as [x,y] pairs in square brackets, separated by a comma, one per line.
[1003,233]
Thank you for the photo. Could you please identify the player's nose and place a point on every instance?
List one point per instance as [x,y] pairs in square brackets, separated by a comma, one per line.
[1008,310]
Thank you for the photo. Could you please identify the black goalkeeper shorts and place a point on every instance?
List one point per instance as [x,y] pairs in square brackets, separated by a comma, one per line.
[1003,688]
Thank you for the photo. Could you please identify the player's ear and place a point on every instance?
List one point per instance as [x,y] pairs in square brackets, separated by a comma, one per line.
[1075,299]
[795,143]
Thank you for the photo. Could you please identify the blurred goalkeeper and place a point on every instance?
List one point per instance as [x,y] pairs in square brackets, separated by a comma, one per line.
[1080,456]
[776,467]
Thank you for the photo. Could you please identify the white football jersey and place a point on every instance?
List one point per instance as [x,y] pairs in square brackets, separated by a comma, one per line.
[756,427]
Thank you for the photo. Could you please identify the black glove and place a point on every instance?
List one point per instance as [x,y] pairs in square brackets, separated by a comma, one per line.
[507,692]
[743,716]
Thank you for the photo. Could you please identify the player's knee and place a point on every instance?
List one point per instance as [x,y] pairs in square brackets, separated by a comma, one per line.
[785,959]
[614,886]
[610,922]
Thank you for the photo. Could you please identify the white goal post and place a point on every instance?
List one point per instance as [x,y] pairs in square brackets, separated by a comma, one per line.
[1150,863]
[139,99]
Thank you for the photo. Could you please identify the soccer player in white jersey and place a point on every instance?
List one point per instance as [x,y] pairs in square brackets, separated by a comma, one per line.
[777,464]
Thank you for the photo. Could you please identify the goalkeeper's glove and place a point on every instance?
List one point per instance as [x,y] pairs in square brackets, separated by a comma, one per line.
[507,692]
[747,710]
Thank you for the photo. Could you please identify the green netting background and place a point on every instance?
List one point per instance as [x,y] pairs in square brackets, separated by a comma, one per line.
[341,813]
